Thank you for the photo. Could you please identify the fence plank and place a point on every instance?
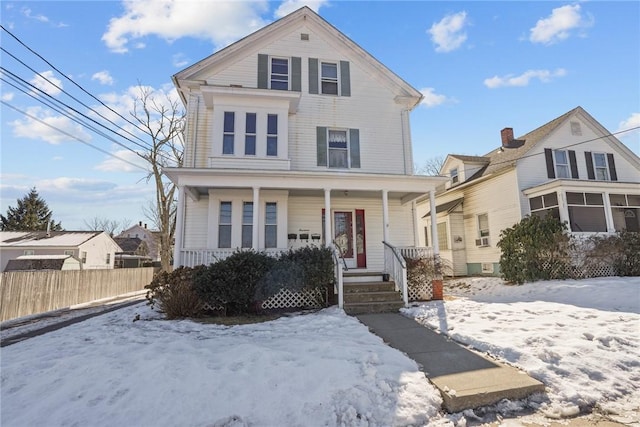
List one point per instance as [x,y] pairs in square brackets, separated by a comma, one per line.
[29,292]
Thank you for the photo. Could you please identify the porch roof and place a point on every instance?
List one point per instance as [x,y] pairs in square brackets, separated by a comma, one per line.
[406,187]
[582,185]
[446,207]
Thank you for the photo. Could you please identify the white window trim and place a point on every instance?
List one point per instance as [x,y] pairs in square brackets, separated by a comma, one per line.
[481,229]
[321,79]
[556,165]
[455,177]
[348,148]
[606,167]
[270,74]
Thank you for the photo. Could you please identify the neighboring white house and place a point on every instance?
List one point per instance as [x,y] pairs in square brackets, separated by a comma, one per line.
[571,167]
[296,135]
[149,237]
[94,249]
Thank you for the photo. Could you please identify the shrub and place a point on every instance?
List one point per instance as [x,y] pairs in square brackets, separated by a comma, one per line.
[622,251]
[534,249]
[316,265]
[232,282]
[173,293]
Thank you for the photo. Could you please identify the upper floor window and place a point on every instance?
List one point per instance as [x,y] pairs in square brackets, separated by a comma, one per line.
[108,259]
[29,252]
[228,132]
[454,176]
[272,135]
[279,73]
[329,78]
[250,135]
[600,166]
[561,160]
[483,225]
[338,149]
[83,257]
[224,225]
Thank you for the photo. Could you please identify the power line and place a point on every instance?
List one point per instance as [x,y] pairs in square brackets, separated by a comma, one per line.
[70,135]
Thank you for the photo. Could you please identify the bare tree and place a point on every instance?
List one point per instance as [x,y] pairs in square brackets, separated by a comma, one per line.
[162,119]
[111,226]
[431,167]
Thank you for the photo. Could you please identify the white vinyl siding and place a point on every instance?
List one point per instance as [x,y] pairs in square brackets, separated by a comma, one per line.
[370,108]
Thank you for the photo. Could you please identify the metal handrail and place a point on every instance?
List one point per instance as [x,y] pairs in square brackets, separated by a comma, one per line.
[399,270]
[396,253]
[344,262]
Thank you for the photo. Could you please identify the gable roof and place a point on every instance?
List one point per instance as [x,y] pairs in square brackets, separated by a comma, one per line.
[39,262]
[44,239]
[504,158]
[263,36]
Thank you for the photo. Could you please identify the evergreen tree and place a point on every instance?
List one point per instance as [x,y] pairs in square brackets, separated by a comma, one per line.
[31,214]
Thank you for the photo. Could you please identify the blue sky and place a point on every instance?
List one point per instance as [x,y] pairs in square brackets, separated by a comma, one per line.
[482,66]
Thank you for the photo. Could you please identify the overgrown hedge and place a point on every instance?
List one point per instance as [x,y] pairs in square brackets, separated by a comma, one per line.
[239,283]
[541,249]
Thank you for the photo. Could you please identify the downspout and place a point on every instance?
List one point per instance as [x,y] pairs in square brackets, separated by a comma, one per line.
[403,113]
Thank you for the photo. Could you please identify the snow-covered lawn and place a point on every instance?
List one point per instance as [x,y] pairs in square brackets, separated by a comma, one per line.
[325,369]
[580,338]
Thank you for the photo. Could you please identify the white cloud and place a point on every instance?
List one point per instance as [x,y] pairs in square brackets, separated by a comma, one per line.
[7,96]
[633,121]
[27,12]
[289,6]
[123,162]
[179,60]
[523,79]
[47,82]
[64,184]
[103,77]
[559,25]
[45,127]
[432,99]
[219,22]
[448,34]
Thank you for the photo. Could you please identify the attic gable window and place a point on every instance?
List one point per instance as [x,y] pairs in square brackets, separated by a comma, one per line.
[329,78]
[454,176]
[576,130]
[279,73]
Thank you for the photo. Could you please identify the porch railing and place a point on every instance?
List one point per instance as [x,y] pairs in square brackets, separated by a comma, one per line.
[338,262]
[396,267]
[193,257]
[415,252]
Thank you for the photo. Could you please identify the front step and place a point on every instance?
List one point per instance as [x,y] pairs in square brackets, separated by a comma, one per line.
[371,297]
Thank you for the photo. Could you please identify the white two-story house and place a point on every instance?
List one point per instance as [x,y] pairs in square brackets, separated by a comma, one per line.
[571,167]
[296,135]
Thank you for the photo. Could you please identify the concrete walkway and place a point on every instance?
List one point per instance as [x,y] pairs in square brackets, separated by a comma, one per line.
[465,379]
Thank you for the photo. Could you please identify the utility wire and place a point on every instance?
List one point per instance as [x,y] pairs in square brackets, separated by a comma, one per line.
[71,136]
[76,84]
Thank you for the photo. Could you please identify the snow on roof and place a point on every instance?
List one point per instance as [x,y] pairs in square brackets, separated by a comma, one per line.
[44,257]
[41,239]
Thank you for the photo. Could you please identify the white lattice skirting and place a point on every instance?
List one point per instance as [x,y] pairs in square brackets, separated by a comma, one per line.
[291,299]
[587,271]
[420,292]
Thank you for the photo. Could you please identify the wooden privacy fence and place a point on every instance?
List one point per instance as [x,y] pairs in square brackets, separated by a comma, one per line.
[29,292]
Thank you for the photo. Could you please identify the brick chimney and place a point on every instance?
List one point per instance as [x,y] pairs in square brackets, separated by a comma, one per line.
[507,136]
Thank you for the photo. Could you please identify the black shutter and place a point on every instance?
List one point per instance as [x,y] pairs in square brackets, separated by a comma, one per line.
[313,75]
[548,155]
[263,71]
[345,79]
[573,164]
[587,158]
[321,140]
[296,74]
[354,147]
[612,167]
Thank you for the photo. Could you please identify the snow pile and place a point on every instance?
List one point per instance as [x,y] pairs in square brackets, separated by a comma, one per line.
[580,338]
[317,369]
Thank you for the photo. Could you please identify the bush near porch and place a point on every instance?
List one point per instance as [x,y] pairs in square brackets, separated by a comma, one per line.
[241,283]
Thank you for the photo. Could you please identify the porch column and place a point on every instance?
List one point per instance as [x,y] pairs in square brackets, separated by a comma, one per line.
[434,223]
[179,232]
[608,213]
[256,217]
[385,215]
[563,209]
[328,235]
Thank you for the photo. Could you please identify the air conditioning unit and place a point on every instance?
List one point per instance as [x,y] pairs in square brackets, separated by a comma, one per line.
[482,242]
